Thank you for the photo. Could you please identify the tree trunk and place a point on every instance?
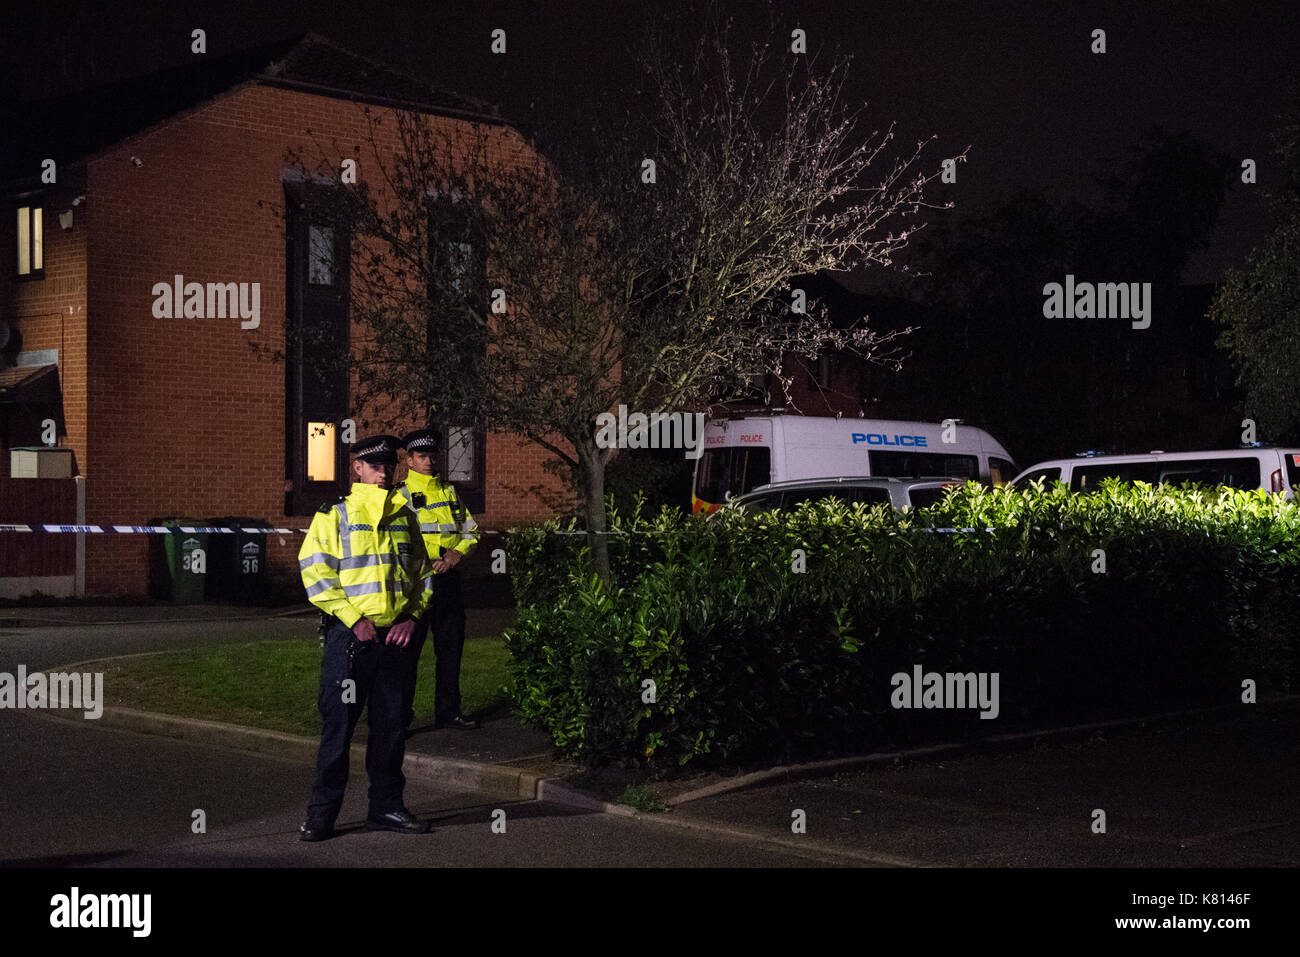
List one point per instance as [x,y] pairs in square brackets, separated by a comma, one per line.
[592,489]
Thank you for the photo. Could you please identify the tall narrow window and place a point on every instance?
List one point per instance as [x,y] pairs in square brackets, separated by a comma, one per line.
[317,344]
[31,239]
[461,453]
[822,377]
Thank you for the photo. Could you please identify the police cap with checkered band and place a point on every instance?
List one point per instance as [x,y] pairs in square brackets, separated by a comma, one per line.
[427,441]
[378,449]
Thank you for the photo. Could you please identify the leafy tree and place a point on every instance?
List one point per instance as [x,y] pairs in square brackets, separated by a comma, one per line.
[1259,306]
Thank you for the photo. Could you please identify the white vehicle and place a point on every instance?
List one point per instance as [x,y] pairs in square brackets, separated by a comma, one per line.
[1274,470]
[744,451]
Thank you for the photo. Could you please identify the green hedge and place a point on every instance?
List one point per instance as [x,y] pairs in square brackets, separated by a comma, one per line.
[754,661]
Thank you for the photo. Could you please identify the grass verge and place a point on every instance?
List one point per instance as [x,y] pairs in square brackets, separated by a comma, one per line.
[643,798]
[273,684]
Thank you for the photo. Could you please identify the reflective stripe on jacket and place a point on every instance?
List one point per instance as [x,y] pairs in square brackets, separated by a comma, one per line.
[365,558]
[444,520]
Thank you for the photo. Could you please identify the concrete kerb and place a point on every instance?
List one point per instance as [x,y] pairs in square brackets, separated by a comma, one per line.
[550,789]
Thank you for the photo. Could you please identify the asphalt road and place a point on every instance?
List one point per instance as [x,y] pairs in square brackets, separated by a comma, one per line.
[1208,792]
[79,795]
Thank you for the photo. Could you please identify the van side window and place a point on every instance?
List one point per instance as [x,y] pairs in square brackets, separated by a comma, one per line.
[918,464]
[1086,478]
[871,496]
[1236,472]
[1048,475]
[926,497]
[765,502]
[847,494]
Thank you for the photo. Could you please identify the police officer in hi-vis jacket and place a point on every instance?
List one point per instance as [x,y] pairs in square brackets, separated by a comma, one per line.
[450,534]
[365,565]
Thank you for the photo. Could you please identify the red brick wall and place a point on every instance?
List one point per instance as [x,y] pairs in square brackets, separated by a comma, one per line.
[854,386]
[184,417]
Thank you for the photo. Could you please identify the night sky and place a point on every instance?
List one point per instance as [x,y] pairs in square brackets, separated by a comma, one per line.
[1015,81]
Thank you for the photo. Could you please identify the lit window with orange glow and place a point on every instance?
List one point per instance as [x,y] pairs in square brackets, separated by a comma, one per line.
[320,452]
[31,240]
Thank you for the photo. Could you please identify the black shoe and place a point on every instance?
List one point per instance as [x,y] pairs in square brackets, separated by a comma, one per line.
[460,722]
[315,831]
[401,820]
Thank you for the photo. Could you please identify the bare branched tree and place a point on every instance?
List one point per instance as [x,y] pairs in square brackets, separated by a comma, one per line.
[650,264]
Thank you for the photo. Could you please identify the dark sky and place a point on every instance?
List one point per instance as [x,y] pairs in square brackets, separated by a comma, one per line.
[1013,80]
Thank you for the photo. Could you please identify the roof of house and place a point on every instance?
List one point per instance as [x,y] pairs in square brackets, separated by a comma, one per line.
[72,127]
[844,307]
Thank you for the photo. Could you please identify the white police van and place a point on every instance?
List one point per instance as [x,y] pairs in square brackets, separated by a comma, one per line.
[744,451]
[1274,470]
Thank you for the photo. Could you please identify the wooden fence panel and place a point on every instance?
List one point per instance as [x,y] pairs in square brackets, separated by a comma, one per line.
[35,502]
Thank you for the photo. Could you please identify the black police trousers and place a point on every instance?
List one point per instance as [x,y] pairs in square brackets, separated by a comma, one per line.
[379,671]
[446,619]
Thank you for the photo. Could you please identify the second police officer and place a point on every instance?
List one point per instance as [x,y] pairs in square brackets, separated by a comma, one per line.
[450,534]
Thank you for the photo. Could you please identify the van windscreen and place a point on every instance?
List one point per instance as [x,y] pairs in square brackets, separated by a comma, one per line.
[734,470]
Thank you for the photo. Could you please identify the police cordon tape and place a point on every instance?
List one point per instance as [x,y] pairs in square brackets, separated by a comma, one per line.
[264,530]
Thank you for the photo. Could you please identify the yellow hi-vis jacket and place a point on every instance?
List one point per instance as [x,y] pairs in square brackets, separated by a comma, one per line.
[445,522]
[365,558]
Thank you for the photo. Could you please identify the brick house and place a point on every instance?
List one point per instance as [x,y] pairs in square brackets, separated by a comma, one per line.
[175,175]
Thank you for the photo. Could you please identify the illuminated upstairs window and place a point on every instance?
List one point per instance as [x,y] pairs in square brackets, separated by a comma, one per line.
[31,238]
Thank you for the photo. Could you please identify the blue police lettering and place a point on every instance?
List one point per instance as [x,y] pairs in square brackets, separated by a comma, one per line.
[876,438]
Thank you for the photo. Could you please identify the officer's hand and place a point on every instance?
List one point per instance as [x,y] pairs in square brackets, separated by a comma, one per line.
[364,630]
[400,633]
[451,558]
